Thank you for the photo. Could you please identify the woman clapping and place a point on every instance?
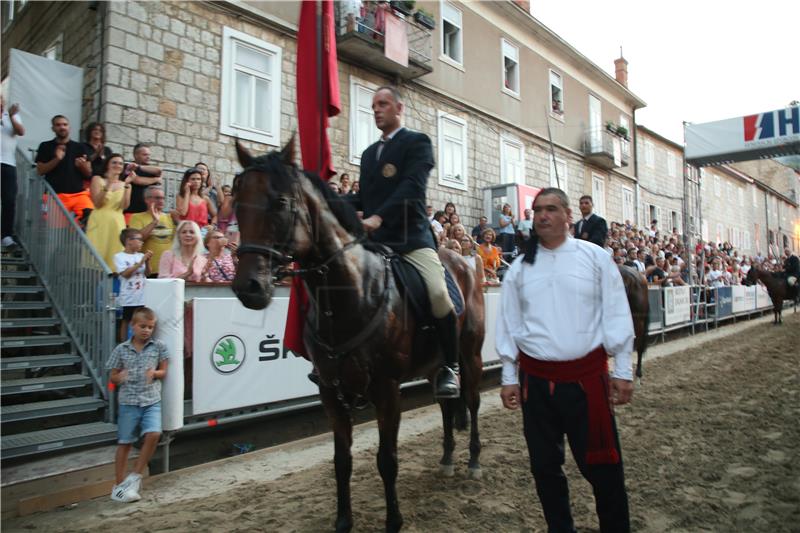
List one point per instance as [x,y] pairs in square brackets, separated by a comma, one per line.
[186,259]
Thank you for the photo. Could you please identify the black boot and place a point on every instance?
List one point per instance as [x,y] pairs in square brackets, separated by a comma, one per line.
[313,376]
[447,385]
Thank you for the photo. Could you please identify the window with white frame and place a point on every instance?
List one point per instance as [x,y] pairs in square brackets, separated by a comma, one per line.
[558,174]
[704,230]
[363,131]
[672,165]
[747,242]
[740,192]
[675,221]
[251,88]
[627,205]
[452,151]
[54,50]
[556,93]
[452,37]
[649,154]
[717,187]
[512,160]
[510,67]
[720,232]
[653,214]
[599,195]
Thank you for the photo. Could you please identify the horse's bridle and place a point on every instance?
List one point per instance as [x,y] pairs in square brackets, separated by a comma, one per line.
[281,254]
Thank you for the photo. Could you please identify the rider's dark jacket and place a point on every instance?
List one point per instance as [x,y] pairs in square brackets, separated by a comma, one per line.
[393,187]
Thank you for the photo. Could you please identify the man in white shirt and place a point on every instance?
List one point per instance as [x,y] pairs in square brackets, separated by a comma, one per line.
[563,309]
[11,128]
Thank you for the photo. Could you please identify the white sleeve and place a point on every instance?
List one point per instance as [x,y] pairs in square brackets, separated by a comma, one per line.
[509,317]
[616,319]
[119,263]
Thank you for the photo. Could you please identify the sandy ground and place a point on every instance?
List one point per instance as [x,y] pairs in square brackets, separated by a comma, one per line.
[710,444]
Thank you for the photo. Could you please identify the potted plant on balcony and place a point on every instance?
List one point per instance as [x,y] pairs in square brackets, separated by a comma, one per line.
[610,126]
[622,131]
[425,19]
[406,7]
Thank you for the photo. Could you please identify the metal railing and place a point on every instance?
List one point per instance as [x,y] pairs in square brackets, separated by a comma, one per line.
[602,141]
[78,282]
[367,22]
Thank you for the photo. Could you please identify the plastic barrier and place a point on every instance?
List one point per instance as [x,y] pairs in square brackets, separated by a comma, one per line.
[165,297]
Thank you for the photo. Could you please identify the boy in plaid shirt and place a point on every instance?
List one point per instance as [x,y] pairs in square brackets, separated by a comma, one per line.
[137,367]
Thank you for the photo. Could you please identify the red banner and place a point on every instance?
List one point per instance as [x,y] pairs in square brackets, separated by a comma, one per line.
[317,99]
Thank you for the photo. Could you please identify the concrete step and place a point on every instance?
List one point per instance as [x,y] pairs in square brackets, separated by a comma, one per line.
[34,341]
[25,386]
[38,361]
[45,483]
[25,322]
[28,411]
[57,438]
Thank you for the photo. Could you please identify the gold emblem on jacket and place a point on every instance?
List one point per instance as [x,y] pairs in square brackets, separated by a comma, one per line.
[389,170]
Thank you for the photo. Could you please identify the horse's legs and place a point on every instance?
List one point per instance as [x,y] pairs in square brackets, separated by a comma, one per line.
[342,426]
[474,403]
[448,442]
[387,408]
[470,390]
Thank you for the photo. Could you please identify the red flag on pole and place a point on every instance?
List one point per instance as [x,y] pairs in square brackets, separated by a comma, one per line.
[317,85]
[317,99]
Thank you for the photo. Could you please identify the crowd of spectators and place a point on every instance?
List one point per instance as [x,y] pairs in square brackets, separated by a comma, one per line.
[195,239]
[660,257]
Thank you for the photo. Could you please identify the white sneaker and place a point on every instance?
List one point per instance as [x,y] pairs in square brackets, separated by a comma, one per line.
[121,493]
[133,483]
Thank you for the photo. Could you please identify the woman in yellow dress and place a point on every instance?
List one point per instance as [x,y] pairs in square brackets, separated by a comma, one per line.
[110,196]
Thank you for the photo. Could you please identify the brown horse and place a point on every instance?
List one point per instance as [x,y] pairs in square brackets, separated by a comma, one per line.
[636,290]
[777,288]
[361,333]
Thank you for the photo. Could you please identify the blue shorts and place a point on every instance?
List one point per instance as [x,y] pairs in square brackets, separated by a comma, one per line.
[147,418]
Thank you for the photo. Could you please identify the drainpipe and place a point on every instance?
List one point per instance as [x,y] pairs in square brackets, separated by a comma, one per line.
[635,168]
[101,8]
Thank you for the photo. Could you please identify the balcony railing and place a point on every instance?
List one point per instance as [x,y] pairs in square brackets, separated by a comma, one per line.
[606,149]
[361,38]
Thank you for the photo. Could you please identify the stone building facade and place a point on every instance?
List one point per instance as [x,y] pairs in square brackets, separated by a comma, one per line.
[156,72]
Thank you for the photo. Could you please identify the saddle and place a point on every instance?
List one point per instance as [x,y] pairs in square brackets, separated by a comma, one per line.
[412,287]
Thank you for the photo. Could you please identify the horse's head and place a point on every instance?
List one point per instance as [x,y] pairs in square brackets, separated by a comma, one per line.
[273,222]
[752,276]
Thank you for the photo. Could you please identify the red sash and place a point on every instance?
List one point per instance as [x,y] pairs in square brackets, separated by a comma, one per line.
[591,372]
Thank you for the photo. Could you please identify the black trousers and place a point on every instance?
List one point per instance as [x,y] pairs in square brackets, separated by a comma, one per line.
[8,195]
[547,418]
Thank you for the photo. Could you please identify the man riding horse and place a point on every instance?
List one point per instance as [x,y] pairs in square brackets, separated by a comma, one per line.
[393,181]
[791,268]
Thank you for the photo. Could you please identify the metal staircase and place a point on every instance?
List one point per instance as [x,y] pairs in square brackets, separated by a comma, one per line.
[49,399]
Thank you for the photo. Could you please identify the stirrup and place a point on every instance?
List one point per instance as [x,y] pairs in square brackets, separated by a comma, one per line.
[447,384]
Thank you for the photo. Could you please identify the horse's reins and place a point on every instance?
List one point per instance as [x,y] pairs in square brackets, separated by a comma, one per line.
[281,255]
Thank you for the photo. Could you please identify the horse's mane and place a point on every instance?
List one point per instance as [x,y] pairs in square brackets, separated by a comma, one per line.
[281,180]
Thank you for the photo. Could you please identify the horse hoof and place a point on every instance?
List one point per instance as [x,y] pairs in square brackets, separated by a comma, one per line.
[475,473]
[447,470]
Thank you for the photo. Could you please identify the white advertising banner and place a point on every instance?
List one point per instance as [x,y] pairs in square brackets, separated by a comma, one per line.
[773,133]
[239,358]
[741,302]
[491,300]
[44,88]
[750,298]
[165,297]
[762,298]
[677,305]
